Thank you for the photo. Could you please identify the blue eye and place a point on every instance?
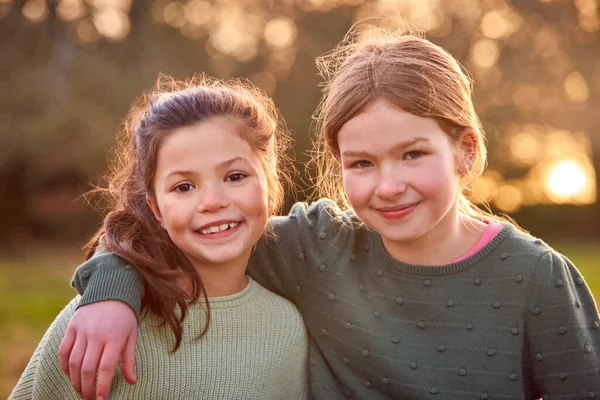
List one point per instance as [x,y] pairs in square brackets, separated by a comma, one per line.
[184,187]
[362,164]
[235,177]
[411,155]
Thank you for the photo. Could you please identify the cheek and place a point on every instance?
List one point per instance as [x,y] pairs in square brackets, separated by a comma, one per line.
[357,189]
[438,180]
[172,216]
[256,200]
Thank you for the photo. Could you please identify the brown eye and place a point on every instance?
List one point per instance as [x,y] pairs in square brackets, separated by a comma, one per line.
[184,187]
[235,177]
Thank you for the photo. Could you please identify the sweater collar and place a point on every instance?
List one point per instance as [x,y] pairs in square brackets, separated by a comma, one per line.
[448,269]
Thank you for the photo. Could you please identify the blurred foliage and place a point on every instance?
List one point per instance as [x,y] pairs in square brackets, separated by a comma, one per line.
[71,68]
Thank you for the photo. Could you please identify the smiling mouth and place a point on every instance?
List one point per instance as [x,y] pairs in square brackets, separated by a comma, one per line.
[397,208]
[219,228]
[397,212]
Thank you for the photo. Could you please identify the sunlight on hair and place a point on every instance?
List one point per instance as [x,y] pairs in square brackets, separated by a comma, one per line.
[35,10]
[280,33]
[570,181]
[576,87]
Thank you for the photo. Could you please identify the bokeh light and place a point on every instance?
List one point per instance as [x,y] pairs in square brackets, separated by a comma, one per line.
[280,33]
[570,181]
[525,148]
[508,198]
[484,53]
[86,31]
[576,87]
[35,10]
[112,23]
[70,10]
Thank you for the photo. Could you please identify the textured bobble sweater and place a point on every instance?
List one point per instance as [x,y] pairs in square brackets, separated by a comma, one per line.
[256,347]
[513,321]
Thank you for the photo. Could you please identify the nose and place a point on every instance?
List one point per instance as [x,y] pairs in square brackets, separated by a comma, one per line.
[391,184]
[213,198]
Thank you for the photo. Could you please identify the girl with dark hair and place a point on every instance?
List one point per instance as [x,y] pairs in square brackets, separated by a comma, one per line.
[195,182]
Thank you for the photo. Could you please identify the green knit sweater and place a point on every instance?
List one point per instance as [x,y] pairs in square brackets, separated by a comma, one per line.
[255,348]
[513,321]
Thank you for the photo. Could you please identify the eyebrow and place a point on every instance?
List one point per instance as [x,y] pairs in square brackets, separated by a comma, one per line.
[393,149]
[221,165]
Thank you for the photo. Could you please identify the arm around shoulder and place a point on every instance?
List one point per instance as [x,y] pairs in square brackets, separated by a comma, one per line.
[105,276]
[563,331]
[296,245]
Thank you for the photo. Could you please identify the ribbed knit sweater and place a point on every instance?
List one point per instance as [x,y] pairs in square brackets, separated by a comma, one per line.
[513,321]
[256,347]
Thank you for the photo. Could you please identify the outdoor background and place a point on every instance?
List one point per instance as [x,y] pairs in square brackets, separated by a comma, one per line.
[69,70]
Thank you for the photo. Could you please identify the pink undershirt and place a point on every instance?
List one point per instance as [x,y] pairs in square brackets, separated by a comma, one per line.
[492,229]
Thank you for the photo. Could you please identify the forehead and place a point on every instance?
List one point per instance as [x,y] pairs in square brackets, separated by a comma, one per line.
[204,144]
[382,125]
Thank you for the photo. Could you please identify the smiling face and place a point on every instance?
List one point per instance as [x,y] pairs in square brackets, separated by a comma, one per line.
[210,193]
[400,174]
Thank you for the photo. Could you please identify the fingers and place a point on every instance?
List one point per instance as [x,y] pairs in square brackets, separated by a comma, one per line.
[128,358]
[88,370]
[64,351]
[106,369]
[75,361]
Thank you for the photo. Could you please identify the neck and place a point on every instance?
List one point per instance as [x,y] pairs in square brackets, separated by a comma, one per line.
[223,279]
[451,238]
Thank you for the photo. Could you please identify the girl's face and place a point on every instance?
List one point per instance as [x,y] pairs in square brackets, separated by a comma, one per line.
[400,173]
[210,194]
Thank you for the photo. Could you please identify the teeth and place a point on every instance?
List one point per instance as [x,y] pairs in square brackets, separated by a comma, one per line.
[220,228]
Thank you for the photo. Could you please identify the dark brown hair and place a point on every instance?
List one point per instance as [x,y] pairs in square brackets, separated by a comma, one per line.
[130,229]
[408,72]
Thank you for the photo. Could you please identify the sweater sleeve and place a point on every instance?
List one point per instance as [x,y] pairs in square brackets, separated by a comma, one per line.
[107,277]
[563,332]
[310,238]
[43,378]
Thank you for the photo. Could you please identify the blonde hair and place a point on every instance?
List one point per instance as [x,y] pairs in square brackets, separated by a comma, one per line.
[407,71]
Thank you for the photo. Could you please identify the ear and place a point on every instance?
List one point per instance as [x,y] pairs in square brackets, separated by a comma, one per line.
[155,210]
[466,150]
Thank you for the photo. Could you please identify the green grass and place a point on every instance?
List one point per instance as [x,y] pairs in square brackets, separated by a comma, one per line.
[35,287]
